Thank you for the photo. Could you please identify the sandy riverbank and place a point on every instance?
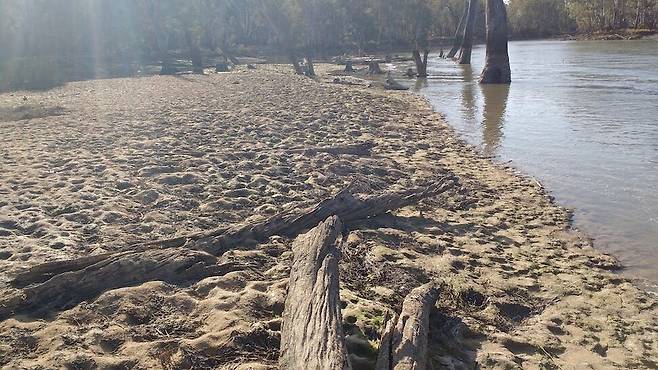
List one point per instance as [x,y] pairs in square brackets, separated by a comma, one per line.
[100,164]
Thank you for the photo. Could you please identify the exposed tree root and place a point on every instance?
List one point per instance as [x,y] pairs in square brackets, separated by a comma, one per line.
[66,289]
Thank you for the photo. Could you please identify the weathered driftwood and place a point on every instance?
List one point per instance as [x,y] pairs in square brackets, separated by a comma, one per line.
[404,344]
[344,205]
[312,333]
[287,223]
[69,288]
[384,358]
[191,257]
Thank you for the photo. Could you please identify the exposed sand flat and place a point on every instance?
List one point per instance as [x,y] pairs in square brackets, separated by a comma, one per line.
[96,165]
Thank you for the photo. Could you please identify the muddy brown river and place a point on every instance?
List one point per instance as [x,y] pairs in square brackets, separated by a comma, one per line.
[581,117]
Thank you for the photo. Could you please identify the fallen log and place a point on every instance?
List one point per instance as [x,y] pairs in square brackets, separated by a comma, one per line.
[384,358]
[344,205]
[193,256]
[312,333]
[68,288]
[404,344]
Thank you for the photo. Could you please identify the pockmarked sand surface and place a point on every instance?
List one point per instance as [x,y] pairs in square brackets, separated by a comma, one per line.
[94,166]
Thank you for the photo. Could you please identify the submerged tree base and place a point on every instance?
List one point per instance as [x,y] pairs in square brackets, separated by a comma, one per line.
[496,74]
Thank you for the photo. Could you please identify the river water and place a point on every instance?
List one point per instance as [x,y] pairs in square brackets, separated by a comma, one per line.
[580,116]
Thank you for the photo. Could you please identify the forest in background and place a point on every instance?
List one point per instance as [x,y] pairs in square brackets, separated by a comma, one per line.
[43,40]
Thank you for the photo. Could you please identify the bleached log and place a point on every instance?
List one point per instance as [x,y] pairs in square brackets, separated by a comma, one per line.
[68,288]
[312,333]
[405,347]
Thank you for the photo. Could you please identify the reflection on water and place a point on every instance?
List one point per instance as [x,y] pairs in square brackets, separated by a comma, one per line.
[580,116]
[468,92]
[495,104]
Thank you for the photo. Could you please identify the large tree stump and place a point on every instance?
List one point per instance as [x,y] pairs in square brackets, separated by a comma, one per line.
[221,67]
[312,333]
[421,62]
[349,68]
[404,345]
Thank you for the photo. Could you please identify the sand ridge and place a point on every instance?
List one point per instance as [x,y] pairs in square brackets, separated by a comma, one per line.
[97,165]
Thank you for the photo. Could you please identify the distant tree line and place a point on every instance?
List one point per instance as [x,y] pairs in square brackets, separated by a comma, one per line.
[40,39]
[541,18]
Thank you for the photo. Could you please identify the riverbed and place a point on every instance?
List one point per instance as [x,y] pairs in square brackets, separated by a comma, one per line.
[581,117]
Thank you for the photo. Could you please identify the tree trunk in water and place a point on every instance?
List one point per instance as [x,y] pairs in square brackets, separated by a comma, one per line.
[421,62]
[458,35]
[312,332]
[496,69]
[467,40]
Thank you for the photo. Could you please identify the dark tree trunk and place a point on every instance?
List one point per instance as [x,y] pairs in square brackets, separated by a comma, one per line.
[349,68]
[158,37]
[467,40]
[373,68]
[195,52]
[459,35]
[197,62]
[496,69]
[166,67]
[295,62]
[421,62]
[309,69]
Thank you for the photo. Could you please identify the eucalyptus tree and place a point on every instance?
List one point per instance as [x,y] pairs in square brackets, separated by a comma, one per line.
[496,68]
[422,20]
[459,34]
[469,32]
